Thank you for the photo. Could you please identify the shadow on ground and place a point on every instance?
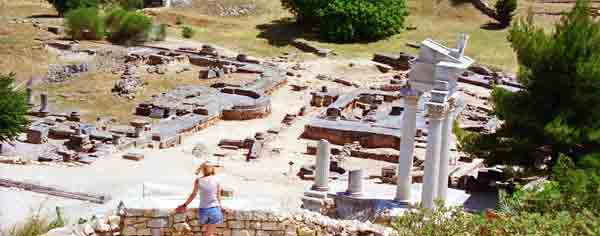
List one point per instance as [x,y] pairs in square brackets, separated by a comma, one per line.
[41,16]
[283,32]
[492,26]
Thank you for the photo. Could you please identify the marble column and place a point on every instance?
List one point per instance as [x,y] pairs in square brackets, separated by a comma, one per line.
[43,102]
[432,155]
[355,183]
[322,166]
[29,92]
[448,119]
[407,144]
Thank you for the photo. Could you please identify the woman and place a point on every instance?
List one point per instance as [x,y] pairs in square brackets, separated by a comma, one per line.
[210,211]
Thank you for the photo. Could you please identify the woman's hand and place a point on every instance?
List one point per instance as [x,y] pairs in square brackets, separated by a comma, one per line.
[181,208]
[225,210]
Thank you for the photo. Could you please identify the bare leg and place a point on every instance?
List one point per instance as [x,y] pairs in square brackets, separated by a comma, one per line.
[210,230]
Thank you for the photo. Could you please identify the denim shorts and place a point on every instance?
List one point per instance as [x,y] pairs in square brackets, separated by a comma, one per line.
[210,216]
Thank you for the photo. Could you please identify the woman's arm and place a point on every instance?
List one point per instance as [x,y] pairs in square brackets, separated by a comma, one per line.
[189,199]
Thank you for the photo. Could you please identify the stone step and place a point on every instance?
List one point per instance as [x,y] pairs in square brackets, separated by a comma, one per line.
[315,194]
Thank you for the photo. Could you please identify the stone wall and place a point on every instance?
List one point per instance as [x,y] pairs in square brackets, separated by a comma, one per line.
[163,222]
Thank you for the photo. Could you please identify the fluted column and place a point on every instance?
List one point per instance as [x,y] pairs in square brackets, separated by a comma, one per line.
[407,144]
[322,166]
[432,155]
[448,119]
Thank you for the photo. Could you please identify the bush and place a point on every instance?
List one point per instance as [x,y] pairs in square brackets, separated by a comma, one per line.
[179,20]
[187,32]
[64,6]
[351,20]
[132,4]
[85,23]
[37,224]
[505,10]
[128,27]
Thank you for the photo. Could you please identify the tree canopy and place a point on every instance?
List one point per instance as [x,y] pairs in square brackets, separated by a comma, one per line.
[559,111]
[13,109]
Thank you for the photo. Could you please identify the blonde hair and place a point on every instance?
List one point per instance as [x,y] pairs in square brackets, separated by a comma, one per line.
[206,169]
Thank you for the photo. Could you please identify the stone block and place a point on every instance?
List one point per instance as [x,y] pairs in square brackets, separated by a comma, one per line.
[242,232]
[128,231]
[272,226]
[182,227]
[158,223]
[290,231]
[140,225]
[178,218]
[144,232]
[254,225]
[236,224]
[226,233]
[305,231]
[156,232]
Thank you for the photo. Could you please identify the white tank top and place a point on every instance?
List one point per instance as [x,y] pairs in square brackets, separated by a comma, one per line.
[207,191]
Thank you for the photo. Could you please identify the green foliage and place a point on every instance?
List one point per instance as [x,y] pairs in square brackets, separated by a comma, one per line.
[158,32]
[132,4]
[505,10]
[85,23]
[179,20]
[64,6]
[13,104]
[187,32]
[351,20]
[306,11]
[128,26]
[354,20]
[558,112]
[452,221]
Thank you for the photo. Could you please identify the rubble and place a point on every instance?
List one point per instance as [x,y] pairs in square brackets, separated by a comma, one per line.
[60,73]
[129,83]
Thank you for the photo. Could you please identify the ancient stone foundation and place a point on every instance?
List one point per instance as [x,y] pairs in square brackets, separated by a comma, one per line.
[163,222]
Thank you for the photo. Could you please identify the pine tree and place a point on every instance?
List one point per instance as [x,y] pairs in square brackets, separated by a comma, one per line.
[13,109]
[559,111]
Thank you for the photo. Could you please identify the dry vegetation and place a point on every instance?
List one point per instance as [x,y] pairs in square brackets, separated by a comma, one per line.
[266,32]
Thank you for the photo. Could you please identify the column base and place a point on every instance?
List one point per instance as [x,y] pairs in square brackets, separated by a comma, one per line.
[319,188]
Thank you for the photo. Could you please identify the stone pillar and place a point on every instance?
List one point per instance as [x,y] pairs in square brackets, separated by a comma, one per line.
[447,121]
[29,92]
[355,183]
[322,166]
[407,144]
[432,155]
[43,102]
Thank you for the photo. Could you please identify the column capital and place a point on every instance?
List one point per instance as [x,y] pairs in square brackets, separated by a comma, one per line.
[437,111]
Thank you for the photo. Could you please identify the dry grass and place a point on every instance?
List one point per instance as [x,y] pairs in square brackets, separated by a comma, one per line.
[268,32]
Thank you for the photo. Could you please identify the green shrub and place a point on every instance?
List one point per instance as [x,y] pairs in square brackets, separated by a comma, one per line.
[127,26]
[64,6]
[85,23]
[306,11]
[132,4]
[187,32]
[357,20]
[505,10]
[351,20]
[158,32]
[179,20]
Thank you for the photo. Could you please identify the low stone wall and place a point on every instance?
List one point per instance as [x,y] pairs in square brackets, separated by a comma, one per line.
[163,222]
[341,137]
